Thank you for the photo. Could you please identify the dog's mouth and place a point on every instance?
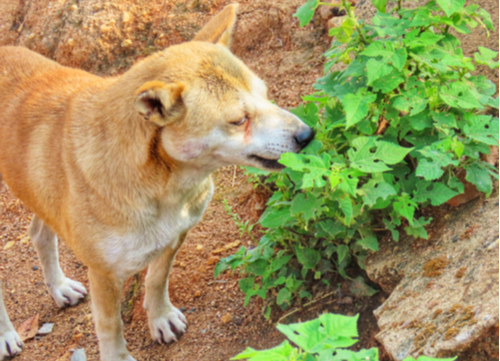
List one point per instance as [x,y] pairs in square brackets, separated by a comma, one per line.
[268,163]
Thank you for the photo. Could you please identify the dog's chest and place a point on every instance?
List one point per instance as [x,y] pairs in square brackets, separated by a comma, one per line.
[159,228]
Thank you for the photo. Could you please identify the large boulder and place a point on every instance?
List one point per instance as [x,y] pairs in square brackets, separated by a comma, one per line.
[444,299]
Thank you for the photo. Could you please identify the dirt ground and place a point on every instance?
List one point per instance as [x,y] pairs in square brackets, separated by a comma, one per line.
[105,38]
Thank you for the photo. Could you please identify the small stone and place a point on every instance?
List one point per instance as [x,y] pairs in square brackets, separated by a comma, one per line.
[79,355]
[191,310]
[183,309]
[35,268]
[126,43]
[9,245]
[45,329]
[199,247]
[226,318]
[197,293]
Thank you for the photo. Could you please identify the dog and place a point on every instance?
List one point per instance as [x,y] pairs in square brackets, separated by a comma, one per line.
[120,167]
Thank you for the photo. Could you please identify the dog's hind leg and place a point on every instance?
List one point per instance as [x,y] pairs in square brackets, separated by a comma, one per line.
[10,343]
[165,321]
[63,290]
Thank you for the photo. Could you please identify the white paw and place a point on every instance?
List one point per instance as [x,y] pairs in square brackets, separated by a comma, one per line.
[67,292]
[168,326]
[10,344]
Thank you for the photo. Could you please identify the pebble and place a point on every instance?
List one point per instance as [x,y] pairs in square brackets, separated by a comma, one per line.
[45,329]
[35,268]
[226,318]
[183,309]
[79,355]
[191,310]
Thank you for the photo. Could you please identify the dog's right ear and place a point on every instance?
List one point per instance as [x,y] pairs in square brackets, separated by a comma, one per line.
[160,102]
[220,28]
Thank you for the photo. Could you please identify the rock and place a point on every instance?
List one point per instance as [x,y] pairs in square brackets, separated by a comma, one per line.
[226,318]
[79,355]
[45,329]
[9,245]
[444,297]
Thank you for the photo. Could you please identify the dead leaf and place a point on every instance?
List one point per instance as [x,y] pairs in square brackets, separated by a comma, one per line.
[9,245]
[227,247]
[29,328]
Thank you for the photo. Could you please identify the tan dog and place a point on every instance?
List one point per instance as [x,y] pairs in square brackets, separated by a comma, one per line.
[120,167]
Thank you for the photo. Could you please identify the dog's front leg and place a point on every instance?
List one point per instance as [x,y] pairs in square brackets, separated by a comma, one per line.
[10,343]
[165,321]
[106,290]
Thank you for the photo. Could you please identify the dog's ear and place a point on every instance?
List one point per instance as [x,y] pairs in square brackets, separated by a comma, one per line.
[219,29]
[160,102]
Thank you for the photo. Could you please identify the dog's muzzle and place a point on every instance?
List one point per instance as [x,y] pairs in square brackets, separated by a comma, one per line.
[304,137]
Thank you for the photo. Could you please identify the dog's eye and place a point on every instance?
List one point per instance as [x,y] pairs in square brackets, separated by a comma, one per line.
[241,121]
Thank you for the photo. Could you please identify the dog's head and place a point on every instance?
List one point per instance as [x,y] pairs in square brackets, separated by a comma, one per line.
[213,110]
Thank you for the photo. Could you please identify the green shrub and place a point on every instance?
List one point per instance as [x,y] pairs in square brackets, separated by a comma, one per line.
[323,339]
[403,114]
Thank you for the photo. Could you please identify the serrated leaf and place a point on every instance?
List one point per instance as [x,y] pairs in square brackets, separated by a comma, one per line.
[284,296]
[405,206]
[308,257]
[424,39]
[438,193]
[326,332]
[330,228]
[450,6]
[374,190]
[459,95]
[480,177]
[371,155]
[380,5]
[413,99]
[486,56]
[308,113]
[430,167]
[349,180]
[483,128]
[356,106]
[306,205]
[369,243]
[273,218]
[445,120]
[416,229]
[306,12]
[376,69]
[342,252]
[388,83]
[246,284]
[346,206]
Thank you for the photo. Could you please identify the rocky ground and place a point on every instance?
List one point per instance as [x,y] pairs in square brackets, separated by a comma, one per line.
[105,38]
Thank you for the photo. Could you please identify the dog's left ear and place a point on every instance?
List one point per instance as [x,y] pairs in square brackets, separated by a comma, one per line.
[160,102]
[219,29]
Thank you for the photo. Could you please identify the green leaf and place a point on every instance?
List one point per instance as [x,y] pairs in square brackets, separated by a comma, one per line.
[417,229]
[360,289]
[459,95]
[278,263]
[371,155]
[369,243]
[258,267]
[388,83]
[374,190]
[307,206]
[306,12]
[413,99]
[380,5]
[483,128]
[342,252]
[405,206]
[376,69]
[480,177]
[356,106]
[308,113]
[284,296]
[283,352]
[445,120]
[450,6]
[349,180]
[346,206]
[344,31]
[435,159]
[308,257]
[246,284]
[326,332]
[486,56]
[273,218]
[437,192]
[330,228]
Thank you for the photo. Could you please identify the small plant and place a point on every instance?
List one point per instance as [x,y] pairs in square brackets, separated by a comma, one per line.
[323,339]
[398,117]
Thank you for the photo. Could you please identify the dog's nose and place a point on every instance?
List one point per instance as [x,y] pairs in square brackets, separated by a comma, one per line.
[304,137]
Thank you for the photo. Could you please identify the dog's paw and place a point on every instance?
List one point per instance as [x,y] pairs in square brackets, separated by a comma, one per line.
[168,326]
[10,344]
[67,292]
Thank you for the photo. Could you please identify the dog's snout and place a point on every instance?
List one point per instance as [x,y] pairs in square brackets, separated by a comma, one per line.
[304,137]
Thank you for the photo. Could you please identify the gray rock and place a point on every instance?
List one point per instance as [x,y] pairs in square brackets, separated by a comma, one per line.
[45,329]
[79,355]
[445,292]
